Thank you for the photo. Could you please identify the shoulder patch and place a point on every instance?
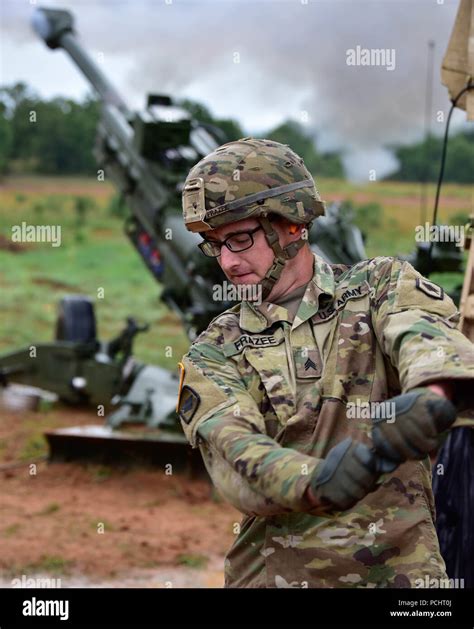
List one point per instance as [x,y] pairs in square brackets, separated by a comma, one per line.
[428,288]
[204,392]
[189,402]
[409,289]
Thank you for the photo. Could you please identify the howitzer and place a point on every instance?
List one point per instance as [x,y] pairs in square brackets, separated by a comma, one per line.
[147,156]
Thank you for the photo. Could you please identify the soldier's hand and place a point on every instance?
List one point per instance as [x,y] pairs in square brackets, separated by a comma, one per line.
[349,472]
[413,430]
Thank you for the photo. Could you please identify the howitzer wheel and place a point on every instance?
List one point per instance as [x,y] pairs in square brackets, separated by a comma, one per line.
[76,320]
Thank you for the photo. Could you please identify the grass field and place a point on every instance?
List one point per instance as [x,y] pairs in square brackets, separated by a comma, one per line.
[94,254]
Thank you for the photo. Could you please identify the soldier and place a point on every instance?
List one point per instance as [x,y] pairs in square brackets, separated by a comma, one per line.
[316,407]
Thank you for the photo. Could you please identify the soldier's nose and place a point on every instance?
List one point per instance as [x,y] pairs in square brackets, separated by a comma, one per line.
[229,261]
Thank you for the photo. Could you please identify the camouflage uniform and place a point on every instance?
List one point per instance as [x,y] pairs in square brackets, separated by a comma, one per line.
[264,395]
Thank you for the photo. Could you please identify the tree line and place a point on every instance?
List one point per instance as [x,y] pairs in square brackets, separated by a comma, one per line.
[56,136]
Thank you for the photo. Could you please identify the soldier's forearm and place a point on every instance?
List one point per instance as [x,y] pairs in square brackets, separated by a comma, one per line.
[445,360]
[235,489]
[279,475]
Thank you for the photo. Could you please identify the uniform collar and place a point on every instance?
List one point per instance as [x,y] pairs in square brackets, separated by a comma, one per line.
[258,318]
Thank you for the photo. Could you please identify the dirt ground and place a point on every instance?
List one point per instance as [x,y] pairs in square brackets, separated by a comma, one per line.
[97,526]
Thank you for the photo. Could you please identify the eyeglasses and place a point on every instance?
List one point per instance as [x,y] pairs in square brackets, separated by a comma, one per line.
[236,242]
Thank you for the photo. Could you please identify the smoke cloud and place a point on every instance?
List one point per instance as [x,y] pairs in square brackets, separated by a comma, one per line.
[264,61]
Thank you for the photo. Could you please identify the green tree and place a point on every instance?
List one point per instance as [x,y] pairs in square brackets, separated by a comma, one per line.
[229,129]
[66,133]
[54,136]
[319,164]
[6,140]
[421,161]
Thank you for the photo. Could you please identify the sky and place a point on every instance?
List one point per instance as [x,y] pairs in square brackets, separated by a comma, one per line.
[258,61]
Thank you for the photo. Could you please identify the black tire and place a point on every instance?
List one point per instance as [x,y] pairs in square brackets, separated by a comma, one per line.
[76,320]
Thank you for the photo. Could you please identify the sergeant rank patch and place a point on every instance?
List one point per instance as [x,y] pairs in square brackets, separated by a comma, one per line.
[308,362]
[431,290]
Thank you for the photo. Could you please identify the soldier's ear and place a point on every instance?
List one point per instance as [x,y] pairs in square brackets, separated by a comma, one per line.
[293,229]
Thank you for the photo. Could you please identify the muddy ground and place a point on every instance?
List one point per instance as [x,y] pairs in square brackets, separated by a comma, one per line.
[100,526]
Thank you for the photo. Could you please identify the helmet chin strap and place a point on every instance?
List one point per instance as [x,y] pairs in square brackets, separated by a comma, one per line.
[281,256]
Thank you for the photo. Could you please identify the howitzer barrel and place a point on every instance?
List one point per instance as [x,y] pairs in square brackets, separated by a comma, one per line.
[145,154]
[116,150]
[56,28]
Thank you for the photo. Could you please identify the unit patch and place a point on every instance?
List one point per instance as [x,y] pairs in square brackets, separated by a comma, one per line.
[189,402]
[431,290]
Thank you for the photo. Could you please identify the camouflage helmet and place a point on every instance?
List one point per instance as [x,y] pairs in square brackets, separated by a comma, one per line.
[249,178]
[252,178]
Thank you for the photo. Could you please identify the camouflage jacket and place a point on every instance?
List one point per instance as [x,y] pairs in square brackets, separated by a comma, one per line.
[265,398]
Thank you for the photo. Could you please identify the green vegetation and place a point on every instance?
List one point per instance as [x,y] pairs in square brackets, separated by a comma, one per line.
[94,254]
[99,473]
[46,136]
[12,529]
[421,161]
[229,129]
[192,561]
[57,136]
[293,134]
[34,447]
[53,564]
[51,508]
[35,277]
[105,526]
[6,139]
